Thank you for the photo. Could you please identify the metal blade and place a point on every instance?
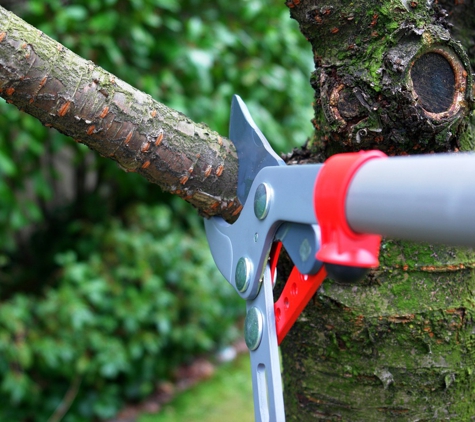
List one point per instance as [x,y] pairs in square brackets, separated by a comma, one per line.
[253,149]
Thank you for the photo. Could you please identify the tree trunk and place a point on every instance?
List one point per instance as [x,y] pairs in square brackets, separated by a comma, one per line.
[81,100]
[397,347]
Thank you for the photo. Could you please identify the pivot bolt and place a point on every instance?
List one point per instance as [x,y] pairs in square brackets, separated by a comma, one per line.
[243,274]
[262,201]
[253,328]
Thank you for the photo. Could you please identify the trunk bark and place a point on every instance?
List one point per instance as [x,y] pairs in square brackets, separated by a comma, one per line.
[81,100]
[398,346]
[389,75]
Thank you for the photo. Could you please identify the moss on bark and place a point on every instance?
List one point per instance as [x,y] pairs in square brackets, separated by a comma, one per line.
[364,93]
[397,347]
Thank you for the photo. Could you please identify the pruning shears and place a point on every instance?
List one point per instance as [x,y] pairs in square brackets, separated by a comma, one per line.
[330,219]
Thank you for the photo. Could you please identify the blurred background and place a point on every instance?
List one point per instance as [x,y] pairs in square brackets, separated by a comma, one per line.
[106,283]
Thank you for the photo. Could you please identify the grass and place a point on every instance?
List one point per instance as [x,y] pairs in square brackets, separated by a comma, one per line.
[226,396]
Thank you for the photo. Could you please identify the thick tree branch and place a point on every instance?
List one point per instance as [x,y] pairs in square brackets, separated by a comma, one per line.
[82,100]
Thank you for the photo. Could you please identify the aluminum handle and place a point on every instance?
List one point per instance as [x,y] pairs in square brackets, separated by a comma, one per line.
[422,198]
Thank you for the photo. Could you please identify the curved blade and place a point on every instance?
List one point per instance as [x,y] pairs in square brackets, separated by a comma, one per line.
[253,149]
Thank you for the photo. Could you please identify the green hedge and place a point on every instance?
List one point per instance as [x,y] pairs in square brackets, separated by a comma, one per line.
[137,296]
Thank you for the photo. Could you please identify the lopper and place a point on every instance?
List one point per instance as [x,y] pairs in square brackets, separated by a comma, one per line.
[330,219]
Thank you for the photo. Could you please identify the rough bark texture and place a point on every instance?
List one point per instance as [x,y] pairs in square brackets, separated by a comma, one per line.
[398,346]
[366,93]
[461,17]
[81,100]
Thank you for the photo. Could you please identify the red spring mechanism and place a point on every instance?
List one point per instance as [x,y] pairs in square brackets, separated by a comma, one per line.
[298,290]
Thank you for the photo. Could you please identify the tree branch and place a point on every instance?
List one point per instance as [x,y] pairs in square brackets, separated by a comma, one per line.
[84,101]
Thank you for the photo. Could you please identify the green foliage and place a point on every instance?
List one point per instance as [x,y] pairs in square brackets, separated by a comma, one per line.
[102,291]
[136,297]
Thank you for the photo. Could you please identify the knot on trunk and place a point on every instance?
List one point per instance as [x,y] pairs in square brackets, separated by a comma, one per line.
[416,102]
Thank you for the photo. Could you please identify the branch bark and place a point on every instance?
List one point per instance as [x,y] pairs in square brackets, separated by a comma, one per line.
[84,101]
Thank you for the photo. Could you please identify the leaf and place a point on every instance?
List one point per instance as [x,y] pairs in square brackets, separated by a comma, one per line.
[16,385]
[76,13]
[7,166]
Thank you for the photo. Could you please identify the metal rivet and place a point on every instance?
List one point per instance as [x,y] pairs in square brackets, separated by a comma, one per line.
[253,328]
[243,274]
[262,201]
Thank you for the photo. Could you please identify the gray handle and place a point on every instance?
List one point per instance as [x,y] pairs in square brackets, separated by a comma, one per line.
[423,198]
